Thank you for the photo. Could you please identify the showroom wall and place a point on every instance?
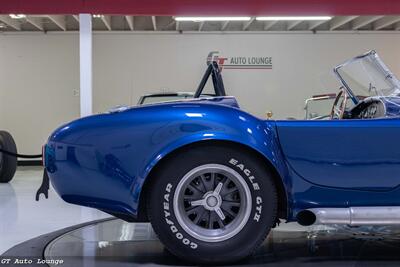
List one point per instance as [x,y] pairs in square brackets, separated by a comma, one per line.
[39,73]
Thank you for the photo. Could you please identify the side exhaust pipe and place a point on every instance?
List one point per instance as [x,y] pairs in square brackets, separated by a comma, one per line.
[354,216]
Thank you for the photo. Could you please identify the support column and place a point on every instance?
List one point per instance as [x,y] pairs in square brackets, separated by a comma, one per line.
[85,64]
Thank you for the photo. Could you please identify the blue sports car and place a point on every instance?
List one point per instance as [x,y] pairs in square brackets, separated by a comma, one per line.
[213,179]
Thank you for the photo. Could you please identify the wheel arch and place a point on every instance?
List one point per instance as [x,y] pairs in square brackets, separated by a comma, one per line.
[278,181]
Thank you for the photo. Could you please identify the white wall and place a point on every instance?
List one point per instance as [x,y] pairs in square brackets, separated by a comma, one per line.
[127,66]
[38,73]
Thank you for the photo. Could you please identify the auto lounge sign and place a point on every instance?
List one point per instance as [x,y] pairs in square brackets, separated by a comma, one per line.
[240,62]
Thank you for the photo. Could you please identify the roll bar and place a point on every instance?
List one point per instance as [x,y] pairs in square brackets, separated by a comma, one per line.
[214,71]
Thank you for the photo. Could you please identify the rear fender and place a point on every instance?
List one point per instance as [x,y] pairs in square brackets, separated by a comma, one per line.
[218,123]
[116,152]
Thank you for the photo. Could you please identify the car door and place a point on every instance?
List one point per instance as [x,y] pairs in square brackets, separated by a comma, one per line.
[352,154]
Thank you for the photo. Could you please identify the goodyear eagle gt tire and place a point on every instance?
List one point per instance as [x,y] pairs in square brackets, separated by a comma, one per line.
[212,204]
[8,164]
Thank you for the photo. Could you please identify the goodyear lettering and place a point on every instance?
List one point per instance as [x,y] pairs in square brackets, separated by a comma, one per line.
[247,172]
[171,224]
[256,186]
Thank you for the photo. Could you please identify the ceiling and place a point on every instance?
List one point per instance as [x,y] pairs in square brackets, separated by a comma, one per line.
[204,7]
[60,23]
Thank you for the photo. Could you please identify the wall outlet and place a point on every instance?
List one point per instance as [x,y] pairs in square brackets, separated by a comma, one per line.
[75,92]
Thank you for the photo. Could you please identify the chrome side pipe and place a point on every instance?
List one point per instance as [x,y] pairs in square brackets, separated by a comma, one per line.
[354,216]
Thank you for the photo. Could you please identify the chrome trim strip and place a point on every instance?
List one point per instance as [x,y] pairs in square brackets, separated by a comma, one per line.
[356,216]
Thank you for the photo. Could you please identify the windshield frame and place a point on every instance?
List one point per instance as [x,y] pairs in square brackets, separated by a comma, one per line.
[382,67]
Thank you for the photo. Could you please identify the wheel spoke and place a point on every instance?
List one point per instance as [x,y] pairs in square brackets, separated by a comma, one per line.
[195,188]
[192,197]
[229,213]
[225,188]
[231,197]
[203,182]
[218,188]
[232,203]
[230,191]
[199,216]
[199,202]
[208,183]
[220,213]
[228,210]
[212,180]
[220,223]
[192,210]
[212,217]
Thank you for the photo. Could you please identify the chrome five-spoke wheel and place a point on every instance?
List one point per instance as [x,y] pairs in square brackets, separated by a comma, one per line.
[212,202]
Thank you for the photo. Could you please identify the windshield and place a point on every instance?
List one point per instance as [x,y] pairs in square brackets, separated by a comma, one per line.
[366,76]
[157,98]
[319,107]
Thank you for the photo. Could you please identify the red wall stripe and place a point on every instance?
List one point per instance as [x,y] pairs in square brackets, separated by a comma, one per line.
[203,7]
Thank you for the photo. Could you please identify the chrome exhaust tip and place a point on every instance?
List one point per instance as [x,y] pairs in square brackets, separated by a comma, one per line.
[306,217]
[354,216]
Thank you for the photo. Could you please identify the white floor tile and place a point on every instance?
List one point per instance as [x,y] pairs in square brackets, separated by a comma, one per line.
[22,218]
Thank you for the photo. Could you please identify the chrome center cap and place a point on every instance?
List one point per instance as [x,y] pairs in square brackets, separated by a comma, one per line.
[212,201]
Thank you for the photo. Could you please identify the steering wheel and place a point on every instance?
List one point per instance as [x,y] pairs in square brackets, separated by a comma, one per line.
[339,107]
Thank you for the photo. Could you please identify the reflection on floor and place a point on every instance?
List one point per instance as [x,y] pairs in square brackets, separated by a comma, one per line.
[117,243]
[22,218]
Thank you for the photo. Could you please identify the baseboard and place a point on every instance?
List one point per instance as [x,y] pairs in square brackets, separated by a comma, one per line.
[29,163]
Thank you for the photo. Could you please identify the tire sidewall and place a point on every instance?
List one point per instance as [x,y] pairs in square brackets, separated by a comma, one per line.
[8,163]
[262,215]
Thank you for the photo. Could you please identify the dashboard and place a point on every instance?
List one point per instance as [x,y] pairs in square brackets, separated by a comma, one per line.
[371,109]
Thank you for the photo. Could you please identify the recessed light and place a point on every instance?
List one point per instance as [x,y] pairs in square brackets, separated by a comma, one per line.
[17,16]
[197,19]
[97,16]
[296,18]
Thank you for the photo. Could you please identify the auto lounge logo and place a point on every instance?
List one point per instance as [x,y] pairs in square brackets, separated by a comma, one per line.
[240,62]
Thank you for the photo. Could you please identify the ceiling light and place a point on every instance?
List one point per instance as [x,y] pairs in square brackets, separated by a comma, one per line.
[197,19]
[295,18]
[17,16]
[97,16]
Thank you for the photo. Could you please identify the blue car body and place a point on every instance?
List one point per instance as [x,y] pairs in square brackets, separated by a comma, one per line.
[103,161]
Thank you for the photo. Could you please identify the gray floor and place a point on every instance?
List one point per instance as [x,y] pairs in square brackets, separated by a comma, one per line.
[118,243]
[22,218]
